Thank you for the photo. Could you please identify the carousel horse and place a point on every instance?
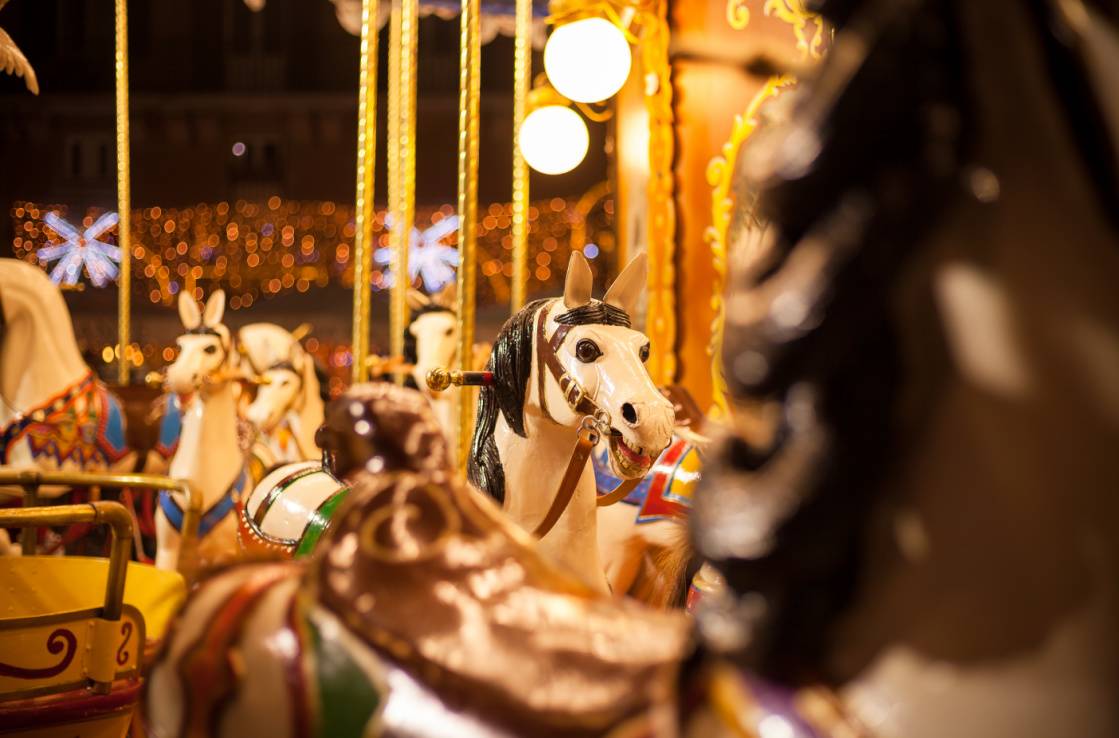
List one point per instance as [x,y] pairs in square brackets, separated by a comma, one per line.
[424,612]
[559,366]
[54,412]
[918,508]
[210,453]
[288,407]
[430,341]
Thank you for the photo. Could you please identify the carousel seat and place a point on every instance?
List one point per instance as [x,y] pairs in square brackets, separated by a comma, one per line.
[64,669]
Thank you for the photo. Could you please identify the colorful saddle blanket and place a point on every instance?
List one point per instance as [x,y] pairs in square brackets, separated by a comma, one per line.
[666,491]
[83,426]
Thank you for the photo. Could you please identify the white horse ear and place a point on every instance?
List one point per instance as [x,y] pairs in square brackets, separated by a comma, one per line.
[627,288]
[188,311]
[215,308]
[301,331]
[417,299]
[577,285]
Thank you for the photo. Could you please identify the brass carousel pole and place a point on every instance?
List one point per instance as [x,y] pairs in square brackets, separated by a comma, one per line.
[470,53]
[402,146]
[124,196]
[366,155]
[522,72]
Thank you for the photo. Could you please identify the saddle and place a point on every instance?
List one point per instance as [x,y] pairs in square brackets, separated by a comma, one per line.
[431,576]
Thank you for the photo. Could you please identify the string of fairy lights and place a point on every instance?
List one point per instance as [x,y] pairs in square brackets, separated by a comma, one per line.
[258,250]
[255,250]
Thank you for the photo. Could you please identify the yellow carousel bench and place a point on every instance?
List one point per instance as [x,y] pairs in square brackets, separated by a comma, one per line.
[74,630]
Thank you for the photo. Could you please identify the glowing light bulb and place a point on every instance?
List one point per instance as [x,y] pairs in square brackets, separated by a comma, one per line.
[587,60]
[554,139]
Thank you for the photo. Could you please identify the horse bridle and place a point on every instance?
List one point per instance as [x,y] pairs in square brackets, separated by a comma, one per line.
[596,423]
[222,372]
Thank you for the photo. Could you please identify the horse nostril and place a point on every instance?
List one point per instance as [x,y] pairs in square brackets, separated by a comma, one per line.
[629,413]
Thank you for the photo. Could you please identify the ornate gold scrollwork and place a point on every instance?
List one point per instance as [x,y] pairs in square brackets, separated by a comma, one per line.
[792,12]
[738,14]
[720,175]
[810,32]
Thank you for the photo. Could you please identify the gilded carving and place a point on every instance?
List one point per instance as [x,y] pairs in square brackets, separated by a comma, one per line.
[720,175]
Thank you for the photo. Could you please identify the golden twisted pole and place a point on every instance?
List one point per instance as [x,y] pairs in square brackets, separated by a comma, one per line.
[124,195]
[402,139]
[366,156]
[522,72]
[470,53]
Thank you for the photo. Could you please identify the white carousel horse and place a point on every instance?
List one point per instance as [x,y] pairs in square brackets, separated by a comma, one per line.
[527,423]
[424,612]
[431,341]
[54,413]
[209,453]
[288,406]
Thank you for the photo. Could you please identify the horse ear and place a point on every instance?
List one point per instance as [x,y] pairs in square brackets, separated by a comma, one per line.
[577,285]
[417,299]
[301,331]
[629,285]
[215,308]
[188,311]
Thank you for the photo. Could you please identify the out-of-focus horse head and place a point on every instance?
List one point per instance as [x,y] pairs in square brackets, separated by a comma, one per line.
[288,401]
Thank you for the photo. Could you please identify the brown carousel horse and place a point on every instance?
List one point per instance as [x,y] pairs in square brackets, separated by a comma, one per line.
[919,509]
[917,514]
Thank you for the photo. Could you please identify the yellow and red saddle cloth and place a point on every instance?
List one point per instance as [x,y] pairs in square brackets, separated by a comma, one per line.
[666,491]
[82,426]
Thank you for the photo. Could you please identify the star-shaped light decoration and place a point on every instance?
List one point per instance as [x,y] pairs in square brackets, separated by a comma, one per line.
[80,249]
[432,261]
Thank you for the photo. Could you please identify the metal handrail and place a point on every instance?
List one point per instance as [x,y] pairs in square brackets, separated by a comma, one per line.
[119,521]
[31,479]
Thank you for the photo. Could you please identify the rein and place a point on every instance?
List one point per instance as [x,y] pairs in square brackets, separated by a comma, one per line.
[595,424]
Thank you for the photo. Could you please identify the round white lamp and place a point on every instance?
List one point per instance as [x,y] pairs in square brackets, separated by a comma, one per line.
[553,139]
[587,60]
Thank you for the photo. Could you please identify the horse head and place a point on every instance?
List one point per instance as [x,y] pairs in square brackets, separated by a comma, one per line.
[431,339]
[286,372]
[561,367]
[37,337]
[205,350]
[596,346]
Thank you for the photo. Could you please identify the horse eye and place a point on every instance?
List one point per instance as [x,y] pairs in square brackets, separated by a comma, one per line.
[587,351]
[644,353]
[449,331]
[211,349]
